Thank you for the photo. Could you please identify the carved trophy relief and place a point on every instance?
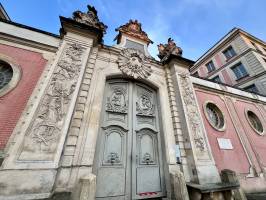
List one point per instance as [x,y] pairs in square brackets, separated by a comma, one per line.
[117,101]
[144,105]
[192,112]
[44,131]
[134,63]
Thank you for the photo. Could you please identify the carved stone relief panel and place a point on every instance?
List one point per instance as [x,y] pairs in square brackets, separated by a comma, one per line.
[44,131]
[192,112]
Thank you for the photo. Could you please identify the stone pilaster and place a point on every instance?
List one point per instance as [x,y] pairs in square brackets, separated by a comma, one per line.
[40,136]
[198,153]
[179,139]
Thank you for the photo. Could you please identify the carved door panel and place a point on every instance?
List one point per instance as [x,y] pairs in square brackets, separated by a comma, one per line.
[128,154]
[113,143]
[147,171]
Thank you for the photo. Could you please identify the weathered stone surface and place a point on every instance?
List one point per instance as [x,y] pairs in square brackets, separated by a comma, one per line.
[179,188]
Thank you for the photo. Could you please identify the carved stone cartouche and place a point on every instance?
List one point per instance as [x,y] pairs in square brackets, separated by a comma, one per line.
[134,63]
[90,18]
[165,50]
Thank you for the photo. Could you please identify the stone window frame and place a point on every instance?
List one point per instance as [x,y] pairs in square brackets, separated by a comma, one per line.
[222,129]
[15,77]
[250,124]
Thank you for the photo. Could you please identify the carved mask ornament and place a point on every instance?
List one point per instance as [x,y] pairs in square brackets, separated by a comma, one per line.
[134,63]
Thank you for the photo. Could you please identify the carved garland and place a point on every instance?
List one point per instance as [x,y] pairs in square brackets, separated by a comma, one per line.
[46,128]
[192,111]
[134,63]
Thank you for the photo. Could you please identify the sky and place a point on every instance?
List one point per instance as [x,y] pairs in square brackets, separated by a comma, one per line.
[195,25]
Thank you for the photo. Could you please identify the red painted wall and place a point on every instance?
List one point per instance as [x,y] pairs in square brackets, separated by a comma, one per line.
[13,103]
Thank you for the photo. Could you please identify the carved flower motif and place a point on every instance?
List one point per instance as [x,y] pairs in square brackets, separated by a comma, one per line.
[134,63]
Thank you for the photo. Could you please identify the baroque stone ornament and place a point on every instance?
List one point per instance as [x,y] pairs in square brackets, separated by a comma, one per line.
[117,101]
[192,111]
[134,64]
[144,105]
[90,18]
[45,130]
[133,29]
[113,158]
[165,50]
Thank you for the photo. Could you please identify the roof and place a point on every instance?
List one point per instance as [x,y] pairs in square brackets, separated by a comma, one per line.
[3,13]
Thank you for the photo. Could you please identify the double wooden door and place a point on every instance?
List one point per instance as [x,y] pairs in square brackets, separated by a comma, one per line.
[129,156]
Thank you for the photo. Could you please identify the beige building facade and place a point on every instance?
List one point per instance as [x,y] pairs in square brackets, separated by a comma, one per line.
[83,120]
[238,59]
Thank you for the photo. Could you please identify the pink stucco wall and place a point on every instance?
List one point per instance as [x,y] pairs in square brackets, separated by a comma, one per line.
[226,77]
[248,147]
[223,158]
[218,61]
[13,103]
[257,141]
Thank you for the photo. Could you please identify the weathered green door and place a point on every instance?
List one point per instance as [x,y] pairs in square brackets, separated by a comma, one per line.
[128,158]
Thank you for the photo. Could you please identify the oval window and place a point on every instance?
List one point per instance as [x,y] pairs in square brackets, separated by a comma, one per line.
[255,122]
[6,74]
[215,116]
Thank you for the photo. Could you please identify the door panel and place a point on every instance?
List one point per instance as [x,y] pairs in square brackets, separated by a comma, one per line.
[147,167]
[129,164]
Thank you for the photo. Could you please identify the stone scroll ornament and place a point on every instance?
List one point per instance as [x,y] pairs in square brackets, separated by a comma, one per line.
[192,111]
[134,63]
[45,129]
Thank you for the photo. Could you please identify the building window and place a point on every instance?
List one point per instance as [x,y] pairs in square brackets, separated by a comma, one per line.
[216,79]
[195,74]
[215,116]
[6,74]
[252,88]
[229,52]
[239,71]
[210,66]
[9,76]
[255,122]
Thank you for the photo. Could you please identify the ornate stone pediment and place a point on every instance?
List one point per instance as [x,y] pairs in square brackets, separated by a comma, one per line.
[165,50]
[133,29]
[134,63]
[90,18]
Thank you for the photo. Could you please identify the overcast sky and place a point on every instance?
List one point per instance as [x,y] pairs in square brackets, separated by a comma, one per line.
[195,25]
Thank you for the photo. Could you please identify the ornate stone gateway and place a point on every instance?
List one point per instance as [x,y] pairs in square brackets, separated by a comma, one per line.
[129,156]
